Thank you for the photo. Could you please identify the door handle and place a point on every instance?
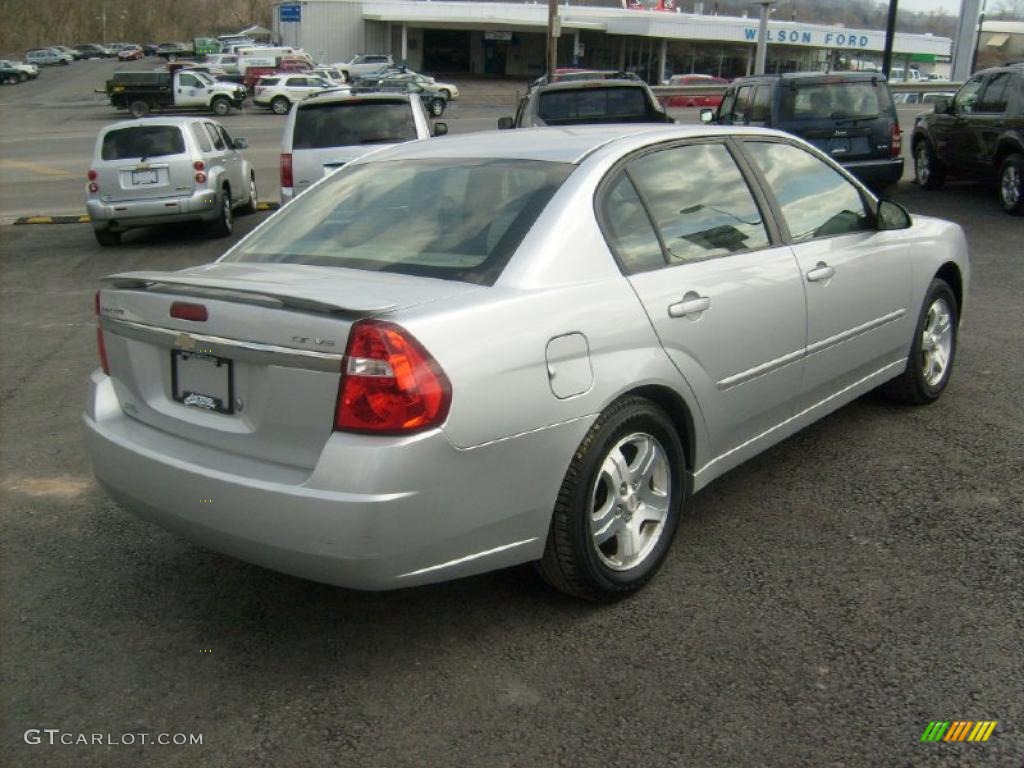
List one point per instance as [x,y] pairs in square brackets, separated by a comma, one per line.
[821,271]
[692,304]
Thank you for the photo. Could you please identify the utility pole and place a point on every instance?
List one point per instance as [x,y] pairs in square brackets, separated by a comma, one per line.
[761,57]
[966,39]
[554,30]
[977,40]
[890,37]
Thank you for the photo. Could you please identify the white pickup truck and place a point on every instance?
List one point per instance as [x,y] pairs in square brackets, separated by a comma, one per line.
[142,92]
[364,64]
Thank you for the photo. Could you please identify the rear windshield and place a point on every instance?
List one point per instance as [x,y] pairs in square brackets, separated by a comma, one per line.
[556,106]
[143,141]
[454,219]
[819,101]
[349,124]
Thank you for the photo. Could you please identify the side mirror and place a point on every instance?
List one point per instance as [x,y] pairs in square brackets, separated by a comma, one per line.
[707,115]
[891,216]
[942,106]
[240,144]
[440,129]
[504,123]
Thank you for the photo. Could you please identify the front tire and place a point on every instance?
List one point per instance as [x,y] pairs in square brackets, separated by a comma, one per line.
[1011,185]
[250,207]
[928,171]
[220,106]
[619,505]
[932,352]
[280,105]
[224,224]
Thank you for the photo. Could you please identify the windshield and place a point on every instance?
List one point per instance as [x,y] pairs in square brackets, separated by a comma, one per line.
[142,142]
[204,77]
[578,105]
[833,101]
[352,123]
[454,219]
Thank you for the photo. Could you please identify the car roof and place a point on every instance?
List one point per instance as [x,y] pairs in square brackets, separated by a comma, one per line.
[568,144]
[844,76]
[180,121]
[343,95]
[575,85]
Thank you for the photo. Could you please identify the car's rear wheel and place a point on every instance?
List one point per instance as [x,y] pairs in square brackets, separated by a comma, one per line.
[619,505]
[280,105]
[933,349]
[139,108]
[107,237]
[224,224]
[220,106]
[1011,185]
[928,172]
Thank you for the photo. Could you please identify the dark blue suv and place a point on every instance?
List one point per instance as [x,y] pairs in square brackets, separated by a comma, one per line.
[849,116]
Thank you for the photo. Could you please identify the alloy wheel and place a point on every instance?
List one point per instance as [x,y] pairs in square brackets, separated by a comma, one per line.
[1011,186]
[922,164]
[937,342]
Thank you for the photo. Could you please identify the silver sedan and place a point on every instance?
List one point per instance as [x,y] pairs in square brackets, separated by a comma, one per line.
[463,354]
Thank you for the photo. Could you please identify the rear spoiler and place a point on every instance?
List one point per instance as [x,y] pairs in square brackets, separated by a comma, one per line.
[241,291]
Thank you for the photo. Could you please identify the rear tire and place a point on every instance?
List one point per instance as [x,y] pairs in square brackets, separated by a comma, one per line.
[280,105]
[629,465]
[1011,185]
[11,79]
[107,237]
[224,224]
[139,109]
[928,171]
[932,352]
[220,106]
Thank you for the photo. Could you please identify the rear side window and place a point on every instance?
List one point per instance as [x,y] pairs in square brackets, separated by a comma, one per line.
[699,201]
[142,141]
[218,141]
[628,228]
[591,102]
[454,219]
[201,137]
[349,124]
[830,101]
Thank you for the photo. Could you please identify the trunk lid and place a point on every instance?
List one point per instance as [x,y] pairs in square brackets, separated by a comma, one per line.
[259,377]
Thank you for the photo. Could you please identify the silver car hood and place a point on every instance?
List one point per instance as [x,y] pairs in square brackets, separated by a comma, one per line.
[323,289]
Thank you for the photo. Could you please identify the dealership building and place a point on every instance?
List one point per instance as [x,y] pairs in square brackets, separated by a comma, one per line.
[507,38]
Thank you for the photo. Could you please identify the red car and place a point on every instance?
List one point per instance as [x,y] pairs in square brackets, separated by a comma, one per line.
[695,101]
[130,53]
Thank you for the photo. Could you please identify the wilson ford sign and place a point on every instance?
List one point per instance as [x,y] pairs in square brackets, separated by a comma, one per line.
[817,38]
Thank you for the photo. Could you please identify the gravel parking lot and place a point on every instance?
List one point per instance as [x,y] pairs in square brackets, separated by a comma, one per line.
[821,604]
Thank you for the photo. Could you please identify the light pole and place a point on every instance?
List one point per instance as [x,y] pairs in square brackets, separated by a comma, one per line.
[761,56]
[554,30]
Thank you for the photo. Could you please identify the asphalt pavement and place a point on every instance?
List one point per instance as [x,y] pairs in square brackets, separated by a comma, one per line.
[821,604]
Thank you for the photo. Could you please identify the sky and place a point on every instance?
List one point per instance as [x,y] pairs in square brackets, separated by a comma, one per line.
[952,7]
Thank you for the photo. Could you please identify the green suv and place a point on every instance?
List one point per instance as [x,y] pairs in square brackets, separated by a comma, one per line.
[979,134]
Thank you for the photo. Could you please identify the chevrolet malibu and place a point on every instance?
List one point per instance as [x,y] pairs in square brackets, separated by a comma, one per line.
[459,355]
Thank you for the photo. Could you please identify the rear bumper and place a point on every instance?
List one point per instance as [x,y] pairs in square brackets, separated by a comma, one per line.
[199,206]
[374,513]
[877,171]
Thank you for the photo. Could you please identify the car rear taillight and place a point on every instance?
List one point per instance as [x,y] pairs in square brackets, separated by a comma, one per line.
[286,170]
[200,178]
[896,146]
[390,384]
[199,165]
[101,347]
[92,175]
[183,310]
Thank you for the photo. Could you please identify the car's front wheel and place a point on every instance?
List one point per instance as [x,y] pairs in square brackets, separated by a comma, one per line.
[250,206]
[619,505]
[280,105]
[932,351]
[224,224]
[928,173]
[221,106]
[1011,185]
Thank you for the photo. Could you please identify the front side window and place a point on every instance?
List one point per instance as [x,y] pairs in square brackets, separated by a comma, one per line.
[699,201]
[454,219]
[816,200]
[996,95]
[345,124]
[142,142]
[628,228]
[966,98]
[190,81]
[739,109]
[760,111]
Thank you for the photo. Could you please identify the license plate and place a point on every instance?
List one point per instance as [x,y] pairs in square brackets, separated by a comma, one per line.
[203,381]
[839,146]
[144,177]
